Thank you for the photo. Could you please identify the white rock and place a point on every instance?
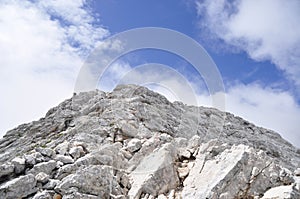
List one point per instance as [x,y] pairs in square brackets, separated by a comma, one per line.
[157,165]
[207,174]
[183,172]
[297,172]
[282,192]
[134,145]
[42,177]
[162,196]
[76,152]
[64,159]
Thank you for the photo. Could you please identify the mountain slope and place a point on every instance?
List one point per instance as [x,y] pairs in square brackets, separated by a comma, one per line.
[134,143]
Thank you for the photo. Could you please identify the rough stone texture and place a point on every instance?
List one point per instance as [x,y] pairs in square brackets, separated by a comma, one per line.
[18,187]
[285,192]
[134,143]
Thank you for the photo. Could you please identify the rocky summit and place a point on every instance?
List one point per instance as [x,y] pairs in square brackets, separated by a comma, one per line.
[133,143]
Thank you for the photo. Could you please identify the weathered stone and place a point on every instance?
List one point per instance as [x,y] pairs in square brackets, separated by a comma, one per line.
[297,172]
[6,169]
[155,174]
[76,152]
[42,177]
[134,145]
[64,159]
[95,180]
[19,164]
[51,184]
[19,187]
[62,148]
[43,195]
[183,172]
[284,192]
[45,167]
[46,152]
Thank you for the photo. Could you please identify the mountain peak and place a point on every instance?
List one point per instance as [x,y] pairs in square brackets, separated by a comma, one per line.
[134,143]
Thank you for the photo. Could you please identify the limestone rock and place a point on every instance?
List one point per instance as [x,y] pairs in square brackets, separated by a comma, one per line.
[18,187]
[155,174]
[42,177]
[284,192]
[134,143]
[19,164]
[6,169]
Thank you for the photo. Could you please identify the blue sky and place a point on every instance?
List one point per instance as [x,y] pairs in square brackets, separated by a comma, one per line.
[255,44]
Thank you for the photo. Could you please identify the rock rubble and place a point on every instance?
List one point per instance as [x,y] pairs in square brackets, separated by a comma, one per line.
[134,143]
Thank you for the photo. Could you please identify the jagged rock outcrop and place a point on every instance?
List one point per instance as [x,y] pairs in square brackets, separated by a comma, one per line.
[134,143]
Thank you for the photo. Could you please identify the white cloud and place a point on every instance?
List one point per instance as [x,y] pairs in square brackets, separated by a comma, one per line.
[42,45]
[266,29]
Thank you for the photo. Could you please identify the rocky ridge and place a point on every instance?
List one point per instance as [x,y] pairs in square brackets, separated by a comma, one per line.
[134,143]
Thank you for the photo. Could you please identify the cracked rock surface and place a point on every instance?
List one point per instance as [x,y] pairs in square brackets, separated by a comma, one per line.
[134,143]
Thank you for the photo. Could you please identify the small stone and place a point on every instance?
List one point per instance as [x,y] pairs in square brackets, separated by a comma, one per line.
[297,172]
[171,194]
[64,159]
[42,195]
[62,148]
[134,145]
[183,172]
[51,184]
[46,152]
[30,159]
[19,164]
[126,154]
[42,177]
[57,196]
[162,196]
[6,169]
[76,152]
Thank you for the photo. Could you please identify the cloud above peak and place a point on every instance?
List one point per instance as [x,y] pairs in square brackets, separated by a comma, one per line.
[266,29]
[43,44]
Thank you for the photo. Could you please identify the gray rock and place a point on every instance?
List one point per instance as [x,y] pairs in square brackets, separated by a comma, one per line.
[134,145]
[46,152]
[43,195]
[64,159]
[94,180]
[19,164]
[45,167]
[6,169]
[42,177]
[76,152]
[51,184]
[19,187]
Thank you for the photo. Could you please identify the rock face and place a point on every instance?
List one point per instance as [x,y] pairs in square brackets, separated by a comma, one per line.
[134,143]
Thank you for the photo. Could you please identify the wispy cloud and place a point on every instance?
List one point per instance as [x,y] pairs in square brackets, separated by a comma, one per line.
[266,30]
[42,45]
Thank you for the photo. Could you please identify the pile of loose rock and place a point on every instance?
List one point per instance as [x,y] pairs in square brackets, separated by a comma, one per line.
[133,143]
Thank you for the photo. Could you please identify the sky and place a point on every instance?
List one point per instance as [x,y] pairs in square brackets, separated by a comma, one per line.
[254,44]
